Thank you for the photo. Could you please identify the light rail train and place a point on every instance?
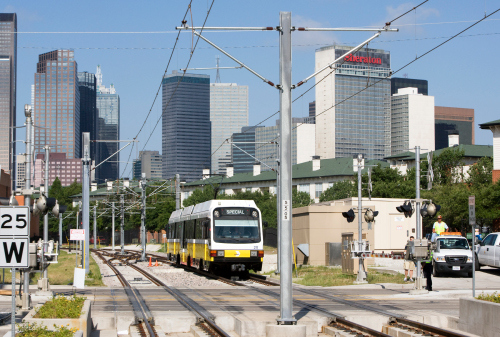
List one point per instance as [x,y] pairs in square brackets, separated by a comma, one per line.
[219,236]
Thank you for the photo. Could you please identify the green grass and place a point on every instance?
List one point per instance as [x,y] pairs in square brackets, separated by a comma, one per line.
[329,277]
[61,307]
[270,250]
[38,330]
[61,273]
[495,298]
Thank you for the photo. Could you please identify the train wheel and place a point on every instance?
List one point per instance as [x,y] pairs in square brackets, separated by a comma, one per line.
[200,264]
[178,260]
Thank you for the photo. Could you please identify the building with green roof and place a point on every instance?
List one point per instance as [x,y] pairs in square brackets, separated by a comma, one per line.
[313,177]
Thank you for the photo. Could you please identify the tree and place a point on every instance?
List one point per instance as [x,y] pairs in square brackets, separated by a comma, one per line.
[340,190]
[481,172]
[199,196]
[301,199]
[448,166]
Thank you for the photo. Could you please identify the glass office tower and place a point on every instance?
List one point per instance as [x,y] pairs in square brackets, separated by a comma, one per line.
[228,114]
[57,104]
[88,110]
[108,128]
[352,115]
[245,140]
[186,127]
[8,70]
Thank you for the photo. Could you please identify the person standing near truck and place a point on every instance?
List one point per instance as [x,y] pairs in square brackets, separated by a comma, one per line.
[427,270]
[439,227]
[409,266]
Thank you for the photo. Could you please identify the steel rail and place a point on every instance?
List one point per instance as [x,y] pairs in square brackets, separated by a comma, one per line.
[341,324]
[133,295]
[210,321]
[426,328]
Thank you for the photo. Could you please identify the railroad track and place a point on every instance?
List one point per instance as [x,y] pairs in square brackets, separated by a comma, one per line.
[338,322]
[205,319]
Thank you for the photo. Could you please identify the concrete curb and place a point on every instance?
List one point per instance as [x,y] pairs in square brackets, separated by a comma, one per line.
[83,323]
[479,317]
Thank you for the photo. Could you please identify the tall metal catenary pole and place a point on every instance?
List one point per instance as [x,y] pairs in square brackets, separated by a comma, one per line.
[122,219]
[46,216]
[361,278]
[419,281]
[95,227]
[113,226]
[143,217]
[285,177]
[27,195]
[177,192]
[85,196]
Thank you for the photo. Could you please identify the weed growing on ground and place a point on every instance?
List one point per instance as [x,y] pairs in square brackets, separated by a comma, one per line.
[495,298]
[38,330]
[61,307]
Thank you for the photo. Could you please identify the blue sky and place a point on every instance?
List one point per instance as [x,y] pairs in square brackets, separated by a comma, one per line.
[462,73]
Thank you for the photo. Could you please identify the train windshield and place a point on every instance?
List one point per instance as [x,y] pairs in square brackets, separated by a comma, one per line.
[239,225]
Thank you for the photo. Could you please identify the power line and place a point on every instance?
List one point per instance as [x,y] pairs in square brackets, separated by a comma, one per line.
[159,88]
[183,74]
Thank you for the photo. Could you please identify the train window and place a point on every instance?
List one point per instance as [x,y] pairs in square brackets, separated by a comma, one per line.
[198,234]
[189,230]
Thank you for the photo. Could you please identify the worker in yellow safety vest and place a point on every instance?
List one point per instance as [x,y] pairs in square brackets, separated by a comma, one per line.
[439,226]
[427,268]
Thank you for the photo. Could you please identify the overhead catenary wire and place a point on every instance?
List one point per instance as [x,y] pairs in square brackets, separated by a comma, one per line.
[183,74]
[314,85]
[159,88]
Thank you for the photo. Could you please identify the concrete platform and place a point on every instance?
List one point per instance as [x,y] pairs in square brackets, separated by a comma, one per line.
[286,331]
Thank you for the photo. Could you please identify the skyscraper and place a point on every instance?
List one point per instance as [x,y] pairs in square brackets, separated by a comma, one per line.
[57,104]
[241,161]
[228,114]
[88,110]
[398,83]
[448,119]
[108,128]
[346,125]
[186,128]
[149,162]
[8,81]
[412,121]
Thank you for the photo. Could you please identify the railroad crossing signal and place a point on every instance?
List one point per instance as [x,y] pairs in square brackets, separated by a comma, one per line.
[349,215]
[14,236]
[429,210]
[406,208]
[370,215]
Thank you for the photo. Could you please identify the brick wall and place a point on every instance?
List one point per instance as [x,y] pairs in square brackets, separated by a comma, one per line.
[496,175]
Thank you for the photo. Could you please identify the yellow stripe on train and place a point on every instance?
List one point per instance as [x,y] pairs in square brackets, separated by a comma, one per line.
[236,253]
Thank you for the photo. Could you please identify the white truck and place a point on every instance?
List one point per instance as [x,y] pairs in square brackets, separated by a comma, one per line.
[488,252]
[452,255]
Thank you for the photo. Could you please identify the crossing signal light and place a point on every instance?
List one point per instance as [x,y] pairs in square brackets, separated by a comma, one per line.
[349,215]
[370,215]
[405,208]
[429,210]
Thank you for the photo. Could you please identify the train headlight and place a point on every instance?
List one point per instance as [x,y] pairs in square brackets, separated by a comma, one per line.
[255,214]
[220,253]
[253,253]
[261,253]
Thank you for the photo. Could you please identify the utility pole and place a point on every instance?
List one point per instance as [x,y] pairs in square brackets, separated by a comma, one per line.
[45,279]
[27,196]
[95,227]
[361,278]
[177,192]
[143,216]
[122,219]
[113,226]
[419,280]
[85,197]
[285,177]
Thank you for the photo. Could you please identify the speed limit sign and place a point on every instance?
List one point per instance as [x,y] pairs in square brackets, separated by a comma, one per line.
[14,236]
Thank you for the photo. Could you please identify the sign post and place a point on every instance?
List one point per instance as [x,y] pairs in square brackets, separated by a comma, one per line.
[472,222]
[79,274]
[14,245]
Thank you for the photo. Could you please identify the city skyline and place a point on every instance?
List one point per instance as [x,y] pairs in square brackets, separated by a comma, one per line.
[262,101]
